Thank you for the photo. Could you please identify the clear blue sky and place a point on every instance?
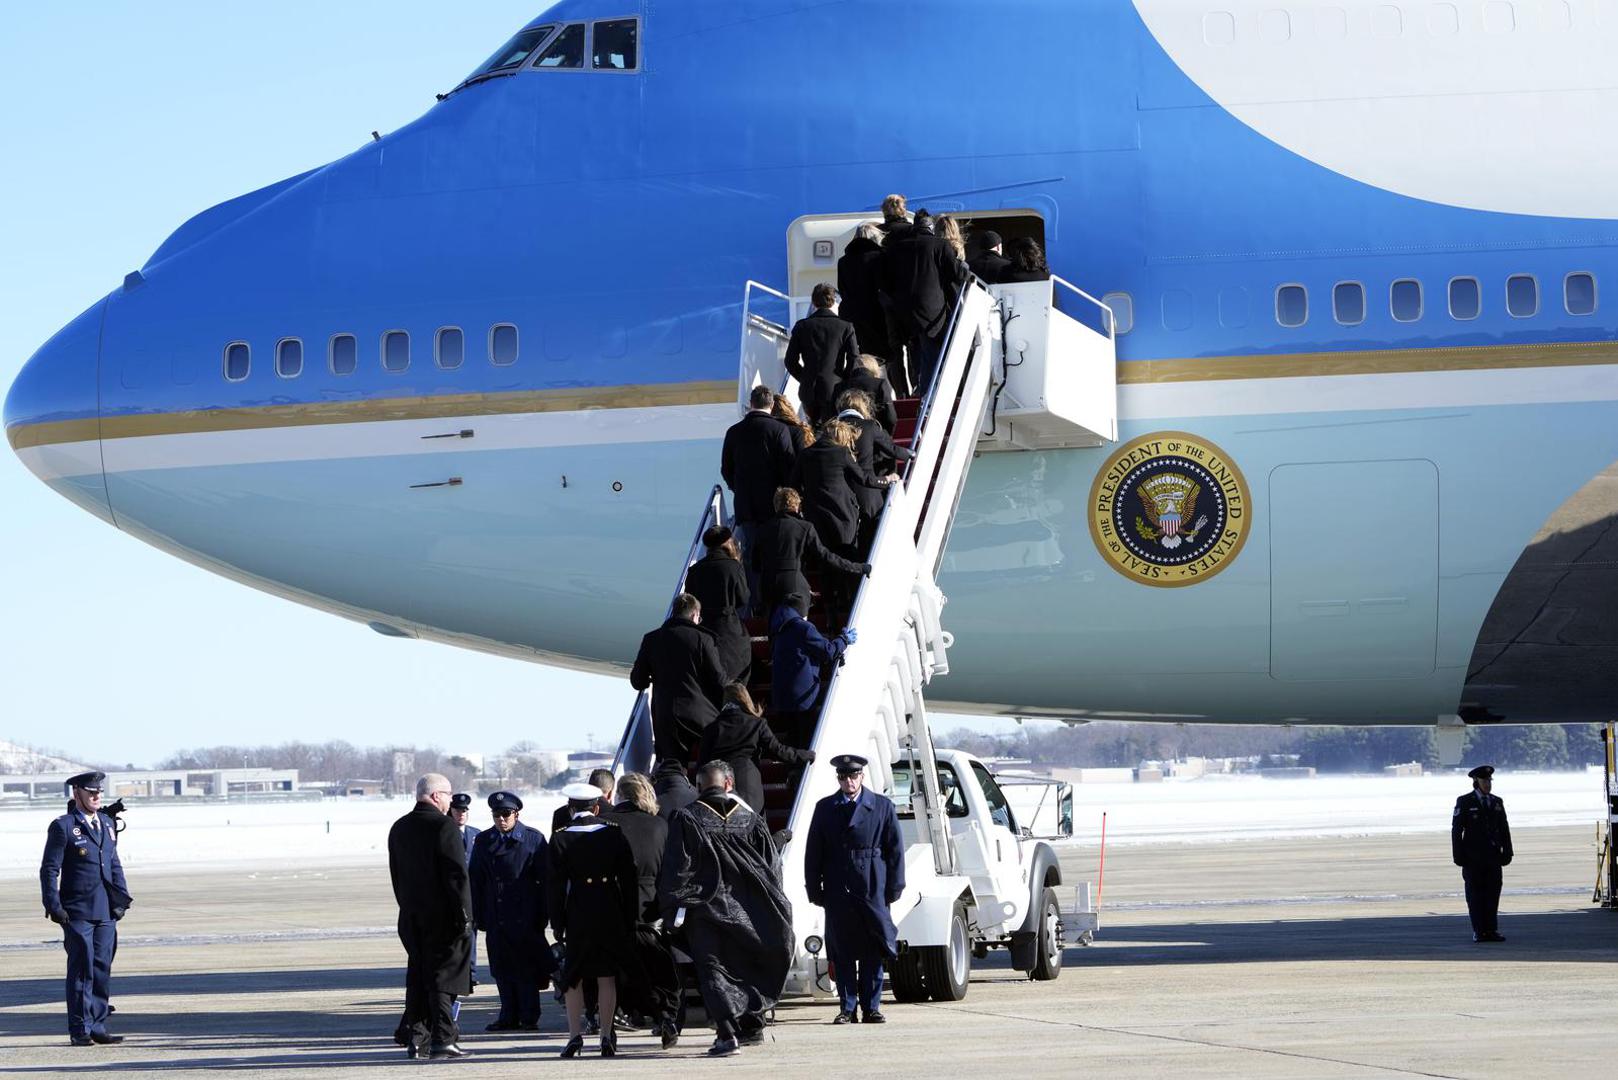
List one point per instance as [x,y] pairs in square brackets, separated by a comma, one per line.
[120,121]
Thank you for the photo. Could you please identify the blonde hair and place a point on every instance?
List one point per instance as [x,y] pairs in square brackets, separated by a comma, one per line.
[950,229]
[869,364]
[840,434]
[893,208]
[870,232]
[858,400]
[783,410]
[635,789]
[736,693]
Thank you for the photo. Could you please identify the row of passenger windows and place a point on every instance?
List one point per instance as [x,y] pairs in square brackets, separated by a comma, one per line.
[393,350]
[1406,301]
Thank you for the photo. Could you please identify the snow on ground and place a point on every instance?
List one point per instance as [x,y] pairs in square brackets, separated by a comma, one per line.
[287,837]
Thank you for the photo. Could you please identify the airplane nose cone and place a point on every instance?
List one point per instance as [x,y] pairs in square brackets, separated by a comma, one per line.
[52,415]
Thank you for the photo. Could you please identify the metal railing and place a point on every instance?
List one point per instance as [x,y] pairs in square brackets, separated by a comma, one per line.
[1108,320]
[750,370]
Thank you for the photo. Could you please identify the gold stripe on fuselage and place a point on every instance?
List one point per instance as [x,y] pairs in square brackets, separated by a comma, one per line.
[717,392]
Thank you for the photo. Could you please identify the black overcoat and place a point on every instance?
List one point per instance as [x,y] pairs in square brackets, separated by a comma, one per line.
[821,350]
[921,276]
[720,585]
[778,557]
[756,458]
[594,896]
[427,863]
[880,392]
[681,663]
[853,866]
[989,266]
[742,740]
[859,282]
[829,477]
[875,453]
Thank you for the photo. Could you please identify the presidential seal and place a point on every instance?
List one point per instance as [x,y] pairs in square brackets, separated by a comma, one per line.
[1169,509]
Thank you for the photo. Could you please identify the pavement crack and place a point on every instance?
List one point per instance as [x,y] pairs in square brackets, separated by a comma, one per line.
[1192,1041]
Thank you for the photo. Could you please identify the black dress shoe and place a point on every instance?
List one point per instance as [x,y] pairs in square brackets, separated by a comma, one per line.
[751,1038]
[500,1025]
[723,1048]
[609,1044]
[874,1018]
[1494,936]
[668,1033]
[449,1052]
[534,1026]
[81,1040]
[573,1047]
[845,1018]
[113,1040]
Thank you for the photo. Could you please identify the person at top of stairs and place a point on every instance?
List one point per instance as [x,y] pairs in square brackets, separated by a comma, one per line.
[719,583]
[858,285]
[740,737]
[821,351]
[829,473]
[680,663]
[801,658]
[778,553]
[921,277]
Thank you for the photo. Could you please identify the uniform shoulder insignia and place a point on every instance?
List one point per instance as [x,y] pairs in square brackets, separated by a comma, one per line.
[1457,812]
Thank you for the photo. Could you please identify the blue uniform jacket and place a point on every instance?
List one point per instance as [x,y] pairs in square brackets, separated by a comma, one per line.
[508,886]
[799,654]
[853,866]
[80,873]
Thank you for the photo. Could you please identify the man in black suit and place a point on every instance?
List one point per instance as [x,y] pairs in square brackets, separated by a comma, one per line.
[990,261]
[757,458]
[1480,840]
[680,662]
[921,277]
[822,349]
[427,862]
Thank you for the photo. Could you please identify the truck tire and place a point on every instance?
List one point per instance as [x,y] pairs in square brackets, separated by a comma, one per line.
[1048,938]
[906,978]
[948,968]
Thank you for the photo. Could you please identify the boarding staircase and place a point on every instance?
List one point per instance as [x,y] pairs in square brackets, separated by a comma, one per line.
[875,703]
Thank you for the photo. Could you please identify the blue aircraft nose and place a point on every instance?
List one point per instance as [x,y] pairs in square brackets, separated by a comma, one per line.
[52,418]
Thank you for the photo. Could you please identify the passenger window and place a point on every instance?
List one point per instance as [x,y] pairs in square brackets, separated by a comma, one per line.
[343,353]
[1465,298]
[503,345]
[1123,311]
[450,348]
[289,358]
[515,51]
[1348,303]
[396,351]
[1404,298]
[566,51]
[999,808]
[614,45]
[238,361]
[1522,295]
[1291,305]
[1579,293]
[904,783]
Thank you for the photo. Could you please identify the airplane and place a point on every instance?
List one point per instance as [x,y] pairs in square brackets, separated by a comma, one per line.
[468,382]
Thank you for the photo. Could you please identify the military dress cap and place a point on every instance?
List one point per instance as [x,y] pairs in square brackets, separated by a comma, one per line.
[504,800]
[88,781]
[460,801]
[848,764]
[581,792]
[1482,772]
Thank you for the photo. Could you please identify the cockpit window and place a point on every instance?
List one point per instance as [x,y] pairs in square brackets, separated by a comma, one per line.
[614,45]
[518,49]
[567,51]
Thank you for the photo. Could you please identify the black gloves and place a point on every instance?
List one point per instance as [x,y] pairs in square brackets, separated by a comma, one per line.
[59,917]
[118,913]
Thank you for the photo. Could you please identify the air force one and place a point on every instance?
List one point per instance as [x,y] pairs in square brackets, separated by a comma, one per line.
[468,383]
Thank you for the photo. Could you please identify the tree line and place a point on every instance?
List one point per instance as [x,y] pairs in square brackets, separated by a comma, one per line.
[337,761]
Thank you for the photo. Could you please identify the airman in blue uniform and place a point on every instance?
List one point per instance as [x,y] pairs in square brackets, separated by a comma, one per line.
[82,886]
[1480,840]
[853,866]
[509,864]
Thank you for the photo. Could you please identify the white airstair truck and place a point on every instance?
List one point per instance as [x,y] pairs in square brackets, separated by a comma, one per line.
[974,879]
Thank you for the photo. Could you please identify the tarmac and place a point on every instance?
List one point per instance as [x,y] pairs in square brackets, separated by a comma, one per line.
[1341,957]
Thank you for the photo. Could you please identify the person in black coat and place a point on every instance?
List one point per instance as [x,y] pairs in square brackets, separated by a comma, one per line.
[859,284]
[427,864]
[1480,840]
[593,899]
[719,583]
[657,997]
[876,453]
[922,277]
[782,544]
[756,458]
[1027,262]
[895,217]
[680,662]
[990,262]
[829,475]
[740,737]
[822,348]
[868,379]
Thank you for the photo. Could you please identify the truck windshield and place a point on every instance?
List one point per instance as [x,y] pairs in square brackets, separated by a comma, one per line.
[514,52]
[999,808]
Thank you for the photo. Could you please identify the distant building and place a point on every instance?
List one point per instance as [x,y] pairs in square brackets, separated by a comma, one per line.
[362,789]
[160,784]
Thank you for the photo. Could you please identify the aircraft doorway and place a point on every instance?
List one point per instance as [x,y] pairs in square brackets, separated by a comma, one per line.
[816,241]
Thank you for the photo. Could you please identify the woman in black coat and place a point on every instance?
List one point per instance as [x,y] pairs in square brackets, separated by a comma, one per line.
[742,738]
[867,377]
[828,473]
[779,551]
[1027,262]
[876,453]
[719,583]
[657,997]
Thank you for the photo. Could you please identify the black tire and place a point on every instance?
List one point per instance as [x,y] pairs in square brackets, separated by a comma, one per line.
[1048,938]
[906,979]
[948,968]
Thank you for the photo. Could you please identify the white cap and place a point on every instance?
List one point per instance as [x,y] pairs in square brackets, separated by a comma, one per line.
[581,792]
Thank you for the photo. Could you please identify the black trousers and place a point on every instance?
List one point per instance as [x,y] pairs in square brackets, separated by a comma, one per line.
[658,994]
[429,1013]
[1483,898]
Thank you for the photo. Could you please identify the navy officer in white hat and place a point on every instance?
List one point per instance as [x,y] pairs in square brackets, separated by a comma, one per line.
[82,885]
[853,866]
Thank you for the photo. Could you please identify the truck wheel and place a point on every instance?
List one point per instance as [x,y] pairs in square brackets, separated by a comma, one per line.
[947,968]
[1048,938]
[906,978]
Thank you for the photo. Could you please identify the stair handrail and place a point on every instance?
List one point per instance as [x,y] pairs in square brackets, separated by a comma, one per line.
[745,372]
[713,513]
[927,400]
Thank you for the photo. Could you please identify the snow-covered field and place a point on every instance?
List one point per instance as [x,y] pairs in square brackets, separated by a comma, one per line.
[1217,808]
